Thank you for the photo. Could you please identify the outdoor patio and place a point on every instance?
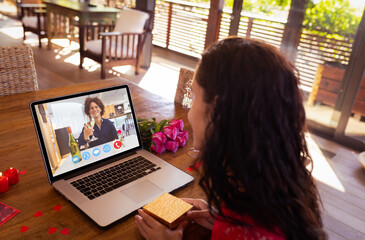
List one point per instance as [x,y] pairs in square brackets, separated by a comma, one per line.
[340,177]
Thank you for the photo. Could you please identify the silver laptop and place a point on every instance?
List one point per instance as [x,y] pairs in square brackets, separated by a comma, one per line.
[107,175]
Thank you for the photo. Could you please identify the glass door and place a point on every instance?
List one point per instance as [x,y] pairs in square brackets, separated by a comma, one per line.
[334,96]
[355,127]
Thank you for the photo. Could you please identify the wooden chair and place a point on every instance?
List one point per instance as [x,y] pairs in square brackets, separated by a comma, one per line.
[183,89]
[17,70]
[33,17]
[116,45]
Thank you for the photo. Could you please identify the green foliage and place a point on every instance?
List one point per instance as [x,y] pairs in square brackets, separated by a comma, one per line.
[260,6]
[331,16]
[147,128]
[326,16]
[269,6]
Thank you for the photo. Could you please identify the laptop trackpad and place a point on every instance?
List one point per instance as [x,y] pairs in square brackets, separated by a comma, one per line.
[142,191]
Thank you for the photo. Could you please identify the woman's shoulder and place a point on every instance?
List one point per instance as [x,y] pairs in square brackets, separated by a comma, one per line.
[226,230]
[107,121]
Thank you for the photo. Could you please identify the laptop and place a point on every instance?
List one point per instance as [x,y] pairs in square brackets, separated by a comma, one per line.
[107,175]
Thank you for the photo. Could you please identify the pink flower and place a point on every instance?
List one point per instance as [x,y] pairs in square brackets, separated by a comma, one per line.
[184,134]
[119,132]
[158,148]
[159,138]
[171,132]
[181,140]
[178,123]
[172,146]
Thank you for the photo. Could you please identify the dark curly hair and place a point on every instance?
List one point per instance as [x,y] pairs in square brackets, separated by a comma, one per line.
[95,100]
[255,151]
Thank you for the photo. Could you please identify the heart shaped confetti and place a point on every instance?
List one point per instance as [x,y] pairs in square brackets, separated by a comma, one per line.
[24,229]
[52,230]
[23,172]
[65,231]
[57,208]
[38,214]
[190,169]
[197,165]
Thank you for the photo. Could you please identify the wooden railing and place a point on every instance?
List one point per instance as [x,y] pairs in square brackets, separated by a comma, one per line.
[268,29]
[180,26]
[116,3]
[314,50]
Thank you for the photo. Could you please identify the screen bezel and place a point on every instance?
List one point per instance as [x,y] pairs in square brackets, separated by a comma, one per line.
[42,146]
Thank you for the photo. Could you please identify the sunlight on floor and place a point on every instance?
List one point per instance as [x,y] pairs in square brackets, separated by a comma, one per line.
[3,17]
[160,80]
[322,171]
[123,69]
[66,44]
[12,32]
[32,40]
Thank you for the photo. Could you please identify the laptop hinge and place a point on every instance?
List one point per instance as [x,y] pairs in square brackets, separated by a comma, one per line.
[98,165]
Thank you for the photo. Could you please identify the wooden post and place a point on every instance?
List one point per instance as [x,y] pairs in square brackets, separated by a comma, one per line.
[169,25]
[293,29]
[215,14]
[351,82]
[249,27]
[315,87]
[235,17]
[147,5]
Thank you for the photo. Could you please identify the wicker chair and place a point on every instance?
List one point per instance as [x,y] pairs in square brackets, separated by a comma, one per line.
[33,17]
[116,45]
[17,70]
[183,89]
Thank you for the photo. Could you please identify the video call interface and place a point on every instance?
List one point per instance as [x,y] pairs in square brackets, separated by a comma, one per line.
[74,139]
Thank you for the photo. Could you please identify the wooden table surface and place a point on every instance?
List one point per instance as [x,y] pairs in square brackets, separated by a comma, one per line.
[81,6]
[19,149]
[61,17]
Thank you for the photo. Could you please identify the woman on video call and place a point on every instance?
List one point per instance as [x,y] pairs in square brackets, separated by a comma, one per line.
[248,122]
[103,130]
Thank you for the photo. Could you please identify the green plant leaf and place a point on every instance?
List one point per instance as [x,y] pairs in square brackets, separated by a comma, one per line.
[163,123]
[141,120]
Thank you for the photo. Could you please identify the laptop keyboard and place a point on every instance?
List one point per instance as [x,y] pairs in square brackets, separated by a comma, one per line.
[97,184]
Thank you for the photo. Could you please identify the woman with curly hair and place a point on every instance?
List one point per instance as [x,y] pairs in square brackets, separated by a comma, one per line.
[103,130]
[248,122]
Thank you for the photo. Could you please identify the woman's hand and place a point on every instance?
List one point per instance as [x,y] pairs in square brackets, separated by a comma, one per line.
[151,229]
[87,132]
[200,213]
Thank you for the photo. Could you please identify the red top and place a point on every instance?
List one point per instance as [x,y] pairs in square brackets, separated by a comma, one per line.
[224,230]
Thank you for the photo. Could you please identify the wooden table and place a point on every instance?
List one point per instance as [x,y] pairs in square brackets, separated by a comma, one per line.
[19,149]
[61,16]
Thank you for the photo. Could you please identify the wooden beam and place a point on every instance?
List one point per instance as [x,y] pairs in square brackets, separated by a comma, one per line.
[293,29]
[215,14]
[351,82]
[235,17]
[147,5]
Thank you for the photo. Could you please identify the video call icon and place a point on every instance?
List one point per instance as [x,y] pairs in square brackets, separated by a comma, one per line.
[86,155]
[75,159]
[96,152]
[106,148]
[117,144]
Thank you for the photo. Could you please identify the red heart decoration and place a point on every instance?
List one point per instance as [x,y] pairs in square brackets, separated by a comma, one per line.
[189,169]
[65,231]
[23,172]
[197,165]
[57,208]
[52,230]
[24,229]
[38,214]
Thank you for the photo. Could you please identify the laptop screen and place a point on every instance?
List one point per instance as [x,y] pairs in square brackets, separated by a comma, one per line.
[80,130]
